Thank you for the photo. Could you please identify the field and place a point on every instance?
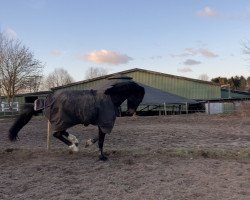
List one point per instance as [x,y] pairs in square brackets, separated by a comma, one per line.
[162,157]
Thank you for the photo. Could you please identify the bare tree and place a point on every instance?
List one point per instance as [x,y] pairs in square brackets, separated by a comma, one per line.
[17,65]
[57,78]
[94,72]
[203,77]
[33,84]
[246,47]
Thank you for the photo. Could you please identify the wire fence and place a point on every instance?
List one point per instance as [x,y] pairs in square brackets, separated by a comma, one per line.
[8,114]
[240,107]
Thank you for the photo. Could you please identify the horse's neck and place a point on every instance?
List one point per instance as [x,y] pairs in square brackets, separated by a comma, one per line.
[119,99]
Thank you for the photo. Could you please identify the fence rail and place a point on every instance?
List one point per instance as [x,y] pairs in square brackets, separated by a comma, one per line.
[5,114]
[243,107]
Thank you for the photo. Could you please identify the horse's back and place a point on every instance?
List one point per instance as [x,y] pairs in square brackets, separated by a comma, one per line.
[68,108]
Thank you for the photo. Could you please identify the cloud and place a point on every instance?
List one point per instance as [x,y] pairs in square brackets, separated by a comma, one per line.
[155,57]
[207,12]
[106,57]
[187,52]
[184,70]
[191,62]
[206,53]
[194,52]
[248,8]
[191,51]
[243,14]
[239,15]
[10,33]
[56,53]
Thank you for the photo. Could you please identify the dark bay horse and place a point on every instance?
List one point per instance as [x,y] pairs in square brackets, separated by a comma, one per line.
[65,109]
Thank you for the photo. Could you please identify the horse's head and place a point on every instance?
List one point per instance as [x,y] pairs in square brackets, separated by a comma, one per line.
[131,91]
[134,99]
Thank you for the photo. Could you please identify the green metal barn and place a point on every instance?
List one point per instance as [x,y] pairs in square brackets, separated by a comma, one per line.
[236,94]
[181,86]
[191,89]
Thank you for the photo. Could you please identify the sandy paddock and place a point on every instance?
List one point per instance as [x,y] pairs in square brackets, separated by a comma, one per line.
[165,157]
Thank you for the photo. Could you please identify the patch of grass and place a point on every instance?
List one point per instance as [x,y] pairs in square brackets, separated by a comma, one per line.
[241,154]
[236,154]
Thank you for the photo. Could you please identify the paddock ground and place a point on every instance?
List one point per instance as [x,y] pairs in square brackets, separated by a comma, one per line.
[162,157]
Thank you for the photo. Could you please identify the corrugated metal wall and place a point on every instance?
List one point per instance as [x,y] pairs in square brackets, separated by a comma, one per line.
[180,86]
[233,94]
[20,99]
[184,87]
[189,88]
[84,85]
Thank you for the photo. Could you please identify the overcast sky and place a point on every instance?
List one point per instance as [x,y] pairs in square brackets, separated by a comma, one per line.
[180,37]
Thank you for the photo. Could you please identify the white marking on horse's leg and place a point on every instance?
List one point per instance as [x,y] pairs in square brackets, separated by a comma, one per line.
[73,148]
[73,139]
[88,143]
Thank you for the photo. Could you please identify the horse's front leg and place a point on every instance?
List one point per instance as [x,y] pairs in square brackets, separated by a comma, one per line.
[68,139]
[74,141]
[100,143]
[90,142]
[71,138]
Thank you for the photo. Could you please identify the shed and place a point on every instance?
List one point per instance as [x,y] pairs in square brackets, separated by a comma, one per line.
[226,93]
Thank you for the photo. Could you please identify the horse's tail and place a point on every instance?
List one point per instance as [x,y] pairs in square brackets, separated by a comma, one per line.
[25,116]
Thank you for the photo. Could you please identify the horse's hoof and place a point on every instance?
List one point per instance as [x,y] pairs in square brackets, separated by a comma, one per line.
[73,148]
[103,158]
[73,139]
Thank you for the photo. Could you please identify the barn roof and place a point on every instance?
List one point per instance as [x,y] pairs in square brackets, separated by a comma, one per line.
[155,96]
[122,73]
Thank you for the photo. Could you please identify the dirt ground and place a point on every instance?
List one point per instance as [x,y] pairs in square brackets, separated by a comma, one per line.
[163,157]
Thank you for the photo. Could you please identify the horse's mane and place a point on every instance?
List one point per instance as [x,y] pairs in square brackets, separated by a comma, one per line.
[128,86]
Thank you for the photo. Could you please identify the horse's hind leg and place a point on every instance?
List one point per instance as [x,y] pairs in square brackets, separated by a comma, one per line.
[100,143]
[63,136]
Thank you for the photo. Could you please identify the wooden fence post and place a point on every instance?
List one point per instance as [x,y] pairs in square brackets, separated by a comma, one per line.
[186,108]
[165,109]
[48,135]
[208,107]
